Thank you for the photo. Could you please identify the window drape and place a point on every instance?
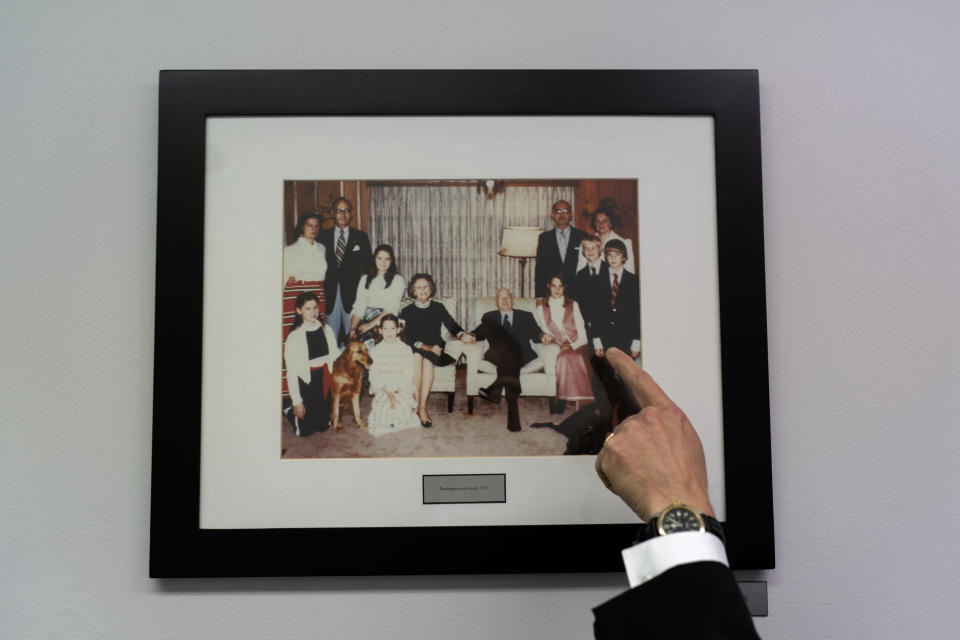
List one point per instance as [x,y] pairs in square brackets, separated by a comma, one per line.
[453,233]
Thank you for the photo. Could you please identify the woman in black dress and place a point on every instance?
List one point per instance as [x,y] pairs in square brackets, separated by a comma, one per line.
[422,321]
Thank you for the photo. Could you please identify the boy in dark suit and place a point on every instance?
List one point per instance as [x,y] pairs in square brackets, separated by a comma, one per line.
[589,280]
[558,249]
[617,319]
[348,259]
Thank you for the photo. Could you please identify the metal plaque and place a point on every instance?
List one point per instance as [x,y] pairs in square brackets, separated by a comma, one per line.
[465,488]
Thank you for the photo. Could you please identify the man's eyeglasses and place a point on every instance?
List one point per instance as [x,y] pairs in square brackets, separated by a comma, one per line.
[343,210]
[561,210]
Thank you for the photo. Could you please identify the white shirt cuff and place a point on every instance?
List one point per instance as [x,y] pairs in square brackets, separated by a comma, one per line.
[647,560]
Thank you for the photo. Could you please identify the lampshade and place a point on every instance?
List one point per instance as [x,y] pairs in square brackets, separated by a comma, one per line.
[519,242]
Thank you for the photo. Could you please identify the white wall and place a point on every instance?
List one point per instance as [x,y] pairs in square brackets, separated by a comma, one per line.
[860,143]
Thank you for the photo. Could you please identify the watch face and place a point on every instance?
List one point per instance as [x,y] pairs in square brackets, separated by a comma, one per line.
[679,519]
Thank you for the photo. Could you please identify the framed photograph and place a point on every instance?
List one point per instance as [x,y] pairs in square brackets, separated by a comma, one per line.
[339,257]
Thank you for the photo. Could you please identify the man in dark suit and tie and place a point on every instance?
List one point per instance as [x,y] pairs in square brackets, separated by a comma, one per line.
[558,249]
[348,259]
[616,322]
[509,333]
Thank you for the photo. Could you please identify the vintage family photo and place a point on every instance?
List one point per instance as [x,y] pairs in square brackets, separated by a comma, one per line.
[448,318]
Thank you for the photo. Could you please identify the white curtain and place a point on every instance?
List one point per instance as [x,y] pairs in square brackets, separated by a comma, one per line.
[453,233]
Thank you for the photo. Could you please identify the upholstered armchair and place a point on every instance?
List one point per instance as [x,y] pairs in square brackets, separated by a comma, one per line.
[537,378]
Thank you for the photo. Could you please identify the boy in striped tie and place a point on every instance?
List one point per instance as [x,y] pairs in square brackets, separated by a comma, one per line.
[618,318]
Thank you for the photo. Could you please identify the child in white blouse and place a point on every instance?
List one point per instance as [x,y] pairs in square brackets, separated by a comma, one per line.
[378,293]
[391,380]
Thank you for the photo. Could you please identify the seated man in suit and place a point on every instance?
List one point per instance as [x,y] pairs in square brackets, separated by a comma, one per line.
[617,316]
[509,333]
[681,586]
[558,250]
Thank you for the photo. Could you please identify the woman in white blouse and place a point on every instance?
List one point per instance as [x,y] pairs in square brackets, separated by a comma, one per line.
[560,320]
[378,294]
[305,259]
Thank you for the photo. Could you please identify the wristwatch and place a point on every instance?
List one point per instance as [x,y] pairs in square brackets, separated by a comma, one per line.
[679,517]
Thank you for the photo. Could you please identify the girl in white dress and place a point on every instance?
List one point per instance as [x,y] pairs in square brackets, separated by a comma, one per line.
[391,380]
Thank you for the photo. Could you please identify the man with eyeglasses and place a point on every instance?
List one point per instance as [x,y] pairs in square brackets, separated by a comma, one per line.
[558,250]
[348,258]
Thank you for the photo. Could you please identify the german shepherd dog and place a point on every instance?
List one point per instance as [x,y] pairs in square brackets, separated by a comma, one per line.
[348,379]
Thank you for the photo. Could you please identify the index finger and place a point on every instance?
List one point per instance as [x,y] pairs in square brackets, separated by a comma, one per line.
[646,391]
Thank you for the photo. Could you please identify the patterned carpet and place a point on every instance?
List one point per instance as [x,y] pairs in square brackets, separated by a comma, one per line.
[456,434]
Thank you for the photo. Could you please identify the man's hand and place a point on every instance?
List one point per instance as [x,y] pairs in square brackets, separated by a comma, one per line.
[654,457]
[546,338]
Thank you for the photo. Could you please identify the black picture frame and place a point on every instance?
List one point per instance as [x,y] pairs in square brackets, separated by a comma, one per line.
[180,548]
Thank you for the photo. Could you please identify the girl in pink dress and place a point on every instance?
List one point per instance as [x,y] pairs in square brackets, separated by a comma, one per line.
[560,319]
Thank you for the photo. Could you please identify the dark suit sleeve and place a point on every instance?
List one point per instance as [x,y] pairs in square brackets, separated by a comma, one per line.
[698,600]
[600,312]
[366,252]
[578,236]
[484,329]
[356,263]
[530,327]
[538,267]
[634,283]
